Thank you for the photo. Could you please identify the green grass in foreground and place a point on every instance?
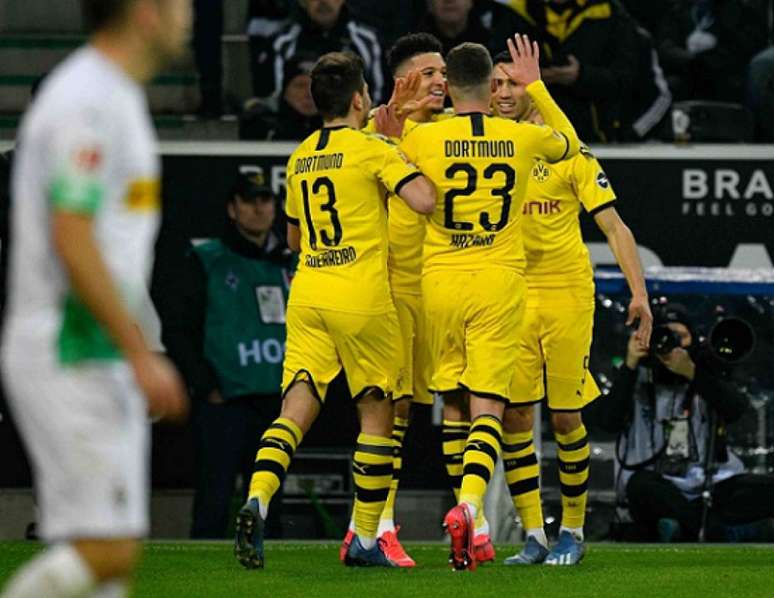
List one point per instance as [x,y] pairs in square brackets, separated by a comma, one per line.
[295,569]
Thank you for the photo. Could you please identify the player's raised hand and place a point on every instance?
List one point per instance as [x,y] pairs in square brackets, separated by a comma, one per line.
[404,94]
[640,310]
[388,122]
[161,384]
[525,58]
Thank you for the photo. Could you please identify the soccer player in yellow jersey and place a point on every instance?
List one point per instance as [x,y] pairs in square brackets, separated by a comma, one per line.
[473,273]
[340,311]
[420,81]
[420,100]
[555,338]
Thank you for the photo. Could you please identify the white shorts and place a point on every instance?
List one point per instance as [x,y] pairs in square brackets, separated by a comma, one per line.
[87,434]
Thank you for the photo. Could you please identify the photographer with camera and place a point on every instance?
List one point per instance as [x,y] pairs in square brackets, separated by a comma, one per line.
[670,406]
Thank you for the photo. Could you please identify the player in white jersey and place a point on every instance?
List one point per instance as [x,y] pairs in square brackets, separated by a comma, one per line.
[86,205]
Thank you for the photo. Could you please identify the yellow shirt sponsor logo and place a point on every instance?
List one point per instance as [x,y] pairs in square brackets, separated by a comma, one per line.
[144,195]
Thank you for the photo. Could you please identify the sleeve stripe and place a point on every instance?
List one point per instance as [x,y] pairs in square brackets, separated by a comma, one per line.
[406,179]
[293,221]
[566,147]
[603,207]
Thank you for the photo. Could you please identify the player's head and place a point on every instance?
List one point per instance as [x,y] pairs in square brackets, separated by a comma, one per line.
[469,73]
[509,99]
[339,88]
[164,26]
[424,53]
[251,206]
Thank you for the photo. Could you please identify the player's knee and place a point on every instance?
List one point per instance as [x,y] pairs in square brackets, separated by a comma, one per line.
[110,559]
[376,413]
[519,419]
[564,422]
[300,406]
[456,406]
[403,408]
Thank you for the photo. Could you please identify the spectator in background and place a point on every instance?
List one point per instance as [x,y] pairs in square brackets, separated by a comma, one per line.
[321,26]
[705,47]
[227,335]
[390,19]
[589,59]
[456,21]
[297,116]
[265,19]
[647,112]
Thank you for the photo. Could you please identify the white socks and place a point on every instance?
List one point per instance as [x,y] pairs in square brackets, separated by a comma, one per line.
[58,572]
[385,525]
[473,510]
[367,543]
[575,531]
[484,529]
[263,509]
[539,534]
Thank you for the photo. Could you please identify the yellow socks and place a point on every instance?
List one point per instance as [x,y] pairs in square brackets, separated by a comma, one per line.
[522,473]
[454,436]
[278,445]
[479,461]
[573,456]
[372,473]
[399,427]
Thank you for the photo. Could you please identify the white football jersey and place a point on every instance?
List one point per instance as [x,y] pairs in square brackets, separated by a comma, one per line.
[86,146]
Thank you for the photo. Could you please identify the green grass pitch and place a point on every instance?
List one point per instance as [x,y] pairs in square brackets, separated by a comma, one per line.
[194,569]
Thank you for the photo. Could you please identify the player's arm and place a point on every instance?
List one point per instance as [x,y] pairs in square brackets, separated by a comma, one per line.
[75,195]
[419,193]
[90,279]
[292,213]
[294,237]
[562,142]
[403,179]
[624,248]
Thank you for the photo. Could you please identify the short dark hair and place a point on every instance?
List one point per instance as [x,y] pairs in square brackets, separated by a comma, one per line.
[98,14]
[335,78]
[411,45]
[503,57]
[468,65]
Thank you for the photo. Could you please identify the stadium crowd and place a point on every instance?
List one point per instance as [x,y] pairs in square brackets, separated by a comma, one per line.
[617,67]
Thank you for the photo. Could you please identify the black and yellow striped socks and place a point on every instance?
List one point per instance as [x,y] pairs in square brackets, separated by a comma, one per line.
[278,444]
[573,455]
[372,474]
[481,452]
[454,436]
[399,427]
[522,474]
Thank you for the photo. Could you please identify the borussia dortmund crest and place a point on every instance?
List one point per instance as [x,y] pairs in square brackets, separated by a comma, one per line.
[540,172]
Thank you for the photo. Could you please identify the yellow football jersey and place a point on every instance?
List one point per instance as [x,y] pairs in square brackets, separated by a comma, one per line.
[337,181]
[407,235]
[556,254]
[480,166]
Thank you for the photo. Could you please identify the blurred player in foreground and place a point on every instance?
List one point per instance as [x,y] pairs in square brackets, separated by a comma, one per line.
[555,338]
[340,312]
[420,90]
[473,276]
[86,184]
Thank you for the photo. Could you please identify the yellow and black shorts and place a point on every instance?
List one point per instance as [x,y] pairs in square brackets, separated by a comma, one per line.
[413,373]
[473,320]
[321,342]
[554,346]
